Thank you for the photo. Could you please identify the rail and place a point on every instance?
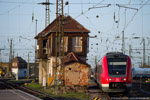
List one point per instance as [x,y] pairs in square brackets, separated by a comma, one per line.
[9,85]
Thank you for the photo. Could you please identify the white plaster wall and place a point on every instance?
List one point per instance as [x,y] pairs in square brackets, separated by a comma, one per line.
[50,65]
[15,71]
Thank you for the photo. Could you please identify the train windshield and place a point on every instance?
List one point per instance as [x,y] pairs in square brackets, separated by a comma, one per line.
[117,67]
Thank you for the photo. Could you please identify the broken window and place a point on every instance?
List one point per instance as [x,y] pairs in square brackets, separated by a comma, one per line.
[77,44]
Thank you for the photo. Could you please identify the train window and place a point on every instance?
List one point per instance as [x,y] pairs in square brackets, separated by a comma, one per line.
[77,44]
[117,67]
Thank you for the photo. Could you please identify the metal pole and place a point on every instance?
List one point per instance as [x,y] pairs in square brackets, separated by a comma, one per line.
[148,61]
[144,52]
[1,55]
[56,87]
[123,43]
[35,67]
[62,29]
[1,58]
[140,82]
[47,14]
[8,74]
[13,56]
[10,56]
[28,67]
[95,60]
[59,29]
[130,51]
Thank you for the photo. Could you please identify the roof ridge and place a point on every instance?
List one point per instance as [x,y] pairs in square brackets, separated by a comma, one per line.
[70,26]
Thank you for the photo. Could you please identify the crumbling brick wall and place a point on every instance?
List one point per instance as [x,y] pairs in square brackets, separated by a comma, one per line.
[76,74]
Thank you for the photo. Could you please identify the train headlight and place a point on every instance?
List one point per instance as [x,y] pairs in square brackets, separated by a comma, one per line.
[123,79]
[111,79]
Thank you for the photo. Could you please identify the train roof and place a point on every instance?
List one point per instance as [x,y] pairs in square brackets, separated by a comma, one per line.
[115,54]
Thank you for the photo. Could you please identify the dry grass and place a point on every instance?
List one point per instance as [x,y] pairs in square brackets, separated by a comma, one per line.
[63,96]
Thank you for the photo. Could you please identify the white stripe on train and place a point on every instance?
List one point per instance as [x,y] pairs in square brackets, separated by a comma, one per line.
[107,85]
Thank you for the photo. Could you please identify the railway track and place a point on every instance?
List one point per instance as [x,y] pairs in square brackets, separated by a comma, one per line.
[95,93]
[119,96]
[134,95]
[98,94]
[4,85]
[38,94]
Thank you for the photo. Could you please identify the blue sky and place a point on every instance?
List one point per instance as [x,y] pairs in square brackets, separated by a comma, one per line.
[105,22]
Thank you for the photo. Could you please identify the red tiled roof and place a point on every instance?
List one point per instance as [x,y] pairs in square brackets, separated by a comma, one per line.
[72,57]
[70,25]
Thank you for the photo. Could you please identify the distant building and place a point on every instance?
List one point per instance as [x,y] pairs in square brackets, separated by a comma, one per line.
[19,67]
[4,66]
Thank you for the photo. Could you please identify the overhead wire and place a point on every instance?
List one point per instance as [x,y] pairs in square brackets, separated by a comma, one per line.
[53,3]
[135,14]
[90,22]
[85,12]
[89,19]
[88,9]
[10,10]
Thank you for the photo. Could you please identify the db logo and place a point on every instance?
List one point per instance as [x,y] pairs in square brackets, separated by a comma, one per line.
[96,98]
[117,79]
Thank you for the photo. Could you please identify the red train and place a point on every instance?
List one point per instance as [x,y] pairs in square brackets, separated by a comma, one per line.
[113,72]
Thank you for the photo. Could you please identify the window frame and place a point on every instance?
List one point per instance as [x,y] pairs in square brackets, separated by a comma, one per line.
[76,43]
[65,46]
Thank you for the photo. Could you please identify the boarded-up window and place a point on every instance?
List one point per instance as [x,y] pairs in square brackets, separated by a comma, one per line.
[77,44]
